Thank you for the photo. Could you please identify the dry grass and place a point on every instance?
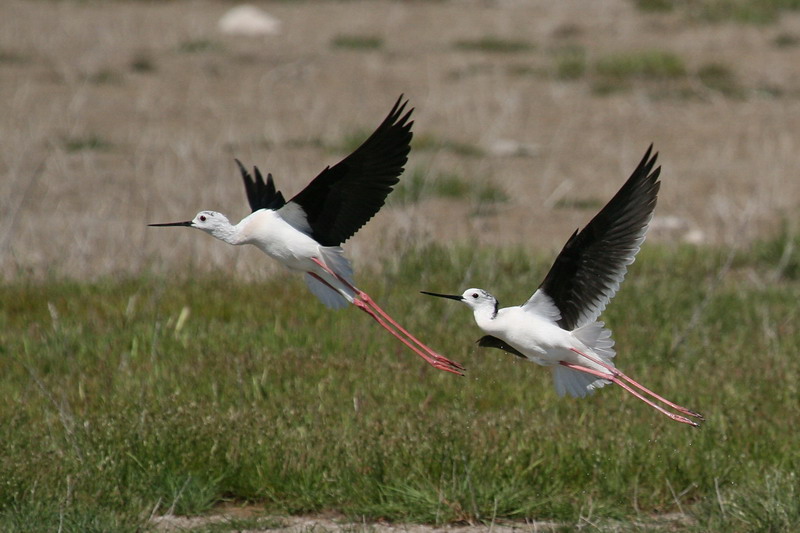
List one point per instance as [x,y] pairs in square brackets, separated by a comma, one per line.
[119,114]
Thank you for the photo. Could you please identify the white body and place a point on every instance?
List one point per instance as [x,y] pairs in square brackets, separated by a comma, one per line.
[532,329]
[270,232]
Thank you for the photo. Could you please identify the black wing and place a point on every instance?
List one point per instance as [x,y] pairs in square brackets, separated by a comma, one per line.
[260,194]
[344,197]
[588,271]
[488,341]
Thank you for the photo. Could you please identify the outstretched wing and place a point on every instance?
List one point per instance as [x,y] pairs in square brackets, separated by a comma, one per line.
[588,271]
[260,194]
[342,198]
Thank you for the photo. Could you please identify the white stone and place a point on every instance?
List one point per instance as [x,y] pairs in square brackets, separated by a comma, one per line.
[249,20]
[510,148]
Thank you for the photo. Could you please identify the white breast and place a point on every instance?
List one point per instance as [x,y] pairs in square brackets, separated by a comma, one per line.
[266,230]
[539,338]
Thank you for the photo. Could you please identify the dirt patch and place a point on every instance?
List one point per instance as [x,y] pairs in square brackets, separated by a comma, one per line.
[117,114]
[320,523]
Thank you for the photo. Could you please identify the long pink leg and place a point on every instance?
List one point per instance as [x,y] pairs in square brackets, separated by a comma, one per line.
[615,379]
[435,362]
[381,317]
[367,299]
[615,371]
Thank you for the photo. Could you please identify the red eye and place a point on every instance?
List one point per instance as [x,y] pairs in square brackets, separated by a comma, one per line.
[202,218]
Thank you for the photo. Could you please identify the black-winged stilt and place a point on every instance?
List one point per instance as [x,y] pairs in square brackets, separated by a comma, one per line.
[306,233]
[557,327]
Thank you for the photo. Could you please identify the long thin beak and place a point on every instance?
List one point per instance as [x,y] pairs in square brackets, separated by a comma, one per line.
[455,297]
[187,223]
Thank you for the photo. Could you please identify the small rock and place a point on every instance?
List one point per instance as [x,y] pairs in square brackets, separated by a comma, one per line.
[250,21]
[510,147]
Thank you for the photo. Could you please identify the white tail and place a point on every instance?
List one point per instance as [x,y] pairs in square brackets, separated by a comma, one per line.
[334,259]
[578,384]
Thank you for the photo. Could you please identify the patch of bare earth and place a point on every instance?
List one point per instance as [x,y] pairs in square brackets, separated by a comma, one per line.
[117,114]
[322,523]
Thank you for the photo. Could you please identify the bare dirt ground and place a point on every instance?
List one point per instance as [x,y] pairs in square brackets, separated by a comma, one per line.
[117,114]
[321,524]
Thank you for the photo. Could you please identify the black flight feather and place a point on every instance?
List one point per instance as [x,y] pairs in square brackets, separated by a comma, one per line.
[488,341]
[342,198]
[260,195]
[587,272]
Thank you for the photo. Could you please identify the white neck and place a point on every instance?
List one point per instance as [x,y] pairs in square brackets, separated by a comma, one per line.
[484,315]
[226,232]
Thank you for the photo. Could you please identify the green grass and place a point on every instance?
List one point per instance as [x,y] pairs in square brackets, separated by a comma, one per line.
[658,69]
[744,11]
[649,64]
[419,185]
[86,142]
[786,40]
[357,42]
[422,143]
[662,71]
[494,44]
[195,46]
[142,63]
[9,57]
[780,255]
[570,63]
[127,398]
[741,11]
[579,203]
[719,77]
[655,6]
[105,76]
[427,142]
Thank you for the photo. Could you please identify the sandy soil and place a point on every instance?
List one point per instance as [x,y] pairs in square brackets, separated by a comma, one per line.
[168,101]
[318,524]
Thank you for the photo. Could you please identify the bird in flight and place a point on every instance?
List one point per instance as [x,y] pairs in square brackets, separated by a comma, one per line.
[305,234]
[558,327]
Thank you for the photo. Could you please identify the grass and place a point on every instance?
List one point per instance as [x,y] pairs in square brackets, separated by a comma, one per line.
[720,78]
[618,71]
[130,398]
[428,142]
[195,46]
[655,6]
[493,44]
[663,71]
[419,186]
[86,142]
[579,203]
[649,64]
[743,11]
[786,40]
[142,63]
[357,42]
[8,57]
[570,63]
[419,143]
[780,254]
[105,76]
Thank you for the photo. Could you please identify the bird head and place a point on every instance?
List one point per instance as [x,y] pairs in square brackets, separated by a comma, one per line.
[213,223]
[477,299]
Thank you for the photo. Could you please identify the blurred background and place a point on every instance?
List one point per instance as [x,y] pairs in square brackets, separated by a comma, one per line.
[529,115]
[160,385]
